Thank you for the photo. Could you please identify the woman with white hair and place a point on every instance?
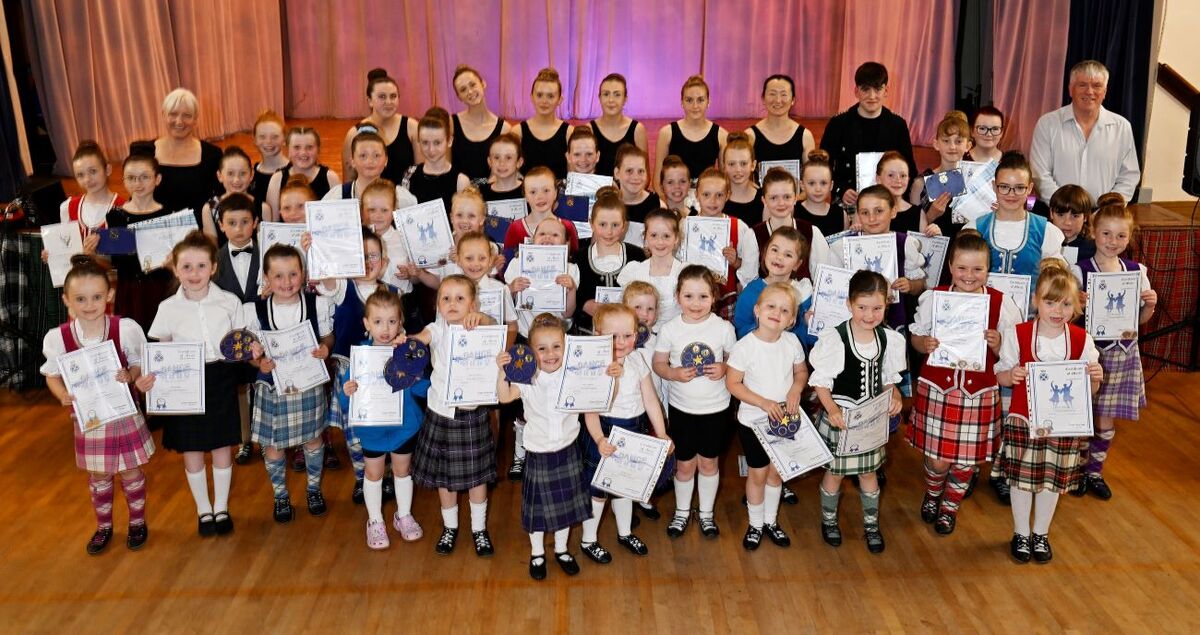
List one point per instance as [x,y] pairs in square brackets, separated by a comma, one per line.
[188,164]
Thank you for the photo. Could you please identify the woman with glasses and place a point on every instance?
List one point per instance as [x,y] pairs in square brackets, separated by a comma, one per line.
[187,164]
[987,128]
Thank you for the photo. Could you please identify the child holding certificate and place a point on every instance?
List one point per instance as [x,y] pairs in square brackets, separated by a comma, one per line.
[1039,468]
[853,363]
[783,256]
[635,408]
[377,202]
[689,355]
[603,256]
[504,161]
[91,171]
[436,177]
[892,173]
[643,298]
[201,311]
[712,191]
[767,374]
[553,492]
[384,320]
[816,182]
[541,195]
[369,160]
[1071,211]
[661,269]
[117,447]
[675,186]
[1123,393]
[956,415]
[779,200]
[952,140]
[285,416]
[455,448]
[737,161]
[551,231]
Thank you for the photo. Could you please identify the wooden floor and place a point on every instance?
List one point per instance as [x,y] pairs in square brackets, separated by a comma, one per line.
[1131,564]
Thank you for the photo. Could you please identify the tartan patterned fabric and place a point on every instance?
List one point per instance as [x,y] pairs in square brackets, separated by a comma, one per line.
[336,416]
[1173,265]
[287,420]
[853,464]
[1123,392]
[114,447]
[950,426]
[1036,464]
[553,492]
[455,454]
[30,304]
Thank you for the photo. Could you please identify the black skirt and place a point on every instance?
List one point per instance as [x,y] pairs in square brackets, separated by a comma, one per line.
[220,425]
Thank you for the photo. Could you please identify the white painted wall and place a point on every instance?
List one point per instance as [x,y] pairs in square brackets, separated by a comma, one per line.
[1167,138]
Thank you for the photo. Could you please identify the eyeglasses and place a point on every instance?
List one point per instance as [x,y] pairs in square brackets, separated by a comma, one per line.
[138,178]
[374,257]
[989,131]
[1005,188]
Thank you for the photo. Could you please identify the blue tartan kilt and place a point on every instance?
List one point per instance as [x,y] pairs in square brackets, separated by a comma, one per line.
[553,492]
[455,454]
[287,420]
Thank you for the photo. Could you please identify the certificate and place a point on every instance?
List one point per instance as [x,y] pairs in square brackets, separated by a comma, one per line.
[632,471]
[704,238]
[1114,304]
[155,238]
[865,165]
[510,208]
[1014,286]
[933,256]
[271,234]
[979,196]
[1070,254]
[866,426]
[472,374]
[62,240]
[579,184]
[874,252]
[608,295]
[960,321]
[586,386]
[178,369]
[791,165]
[792,457]
[373,402]
[426,233]
[1060,398]
[296,370]
[541,264]
[635,234]
[491,303]
[90,374]
[335,229]
[829,298]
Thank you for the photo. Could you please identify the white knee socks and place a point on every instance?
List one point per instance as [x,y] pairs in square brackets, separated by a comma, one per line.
[198,483]
[373,497]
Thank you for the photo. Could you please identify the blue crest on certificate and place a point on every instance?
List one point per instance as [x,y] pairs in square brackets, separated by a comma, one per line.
[336,248]
[586,386]
[704,240]
[829,298]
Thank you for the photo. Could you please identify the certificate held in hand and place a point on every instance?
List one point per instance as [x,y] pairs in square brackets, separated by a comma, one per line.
[866,426]
[829,298]
[61,240]
[473,373]
[704,241]
[960,322]
[541,264]
[1114,304]
[426,233]
[586,386]
[90,375]
[178,369]
[1060,398]
[336,250]
[632,471]
[792,456]
[296,370]
[374,402]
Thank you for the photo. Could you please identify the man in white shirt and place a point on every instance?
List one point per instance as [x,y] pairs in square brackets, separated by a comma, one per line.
[1084,144]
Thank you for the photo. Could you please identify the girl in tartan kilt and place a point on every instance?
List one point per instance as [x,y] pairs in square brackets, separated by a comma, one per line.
[956,414]
[554,495]
[1123,393]
[852,363]
[1040,467]
[117,447]
[284,417]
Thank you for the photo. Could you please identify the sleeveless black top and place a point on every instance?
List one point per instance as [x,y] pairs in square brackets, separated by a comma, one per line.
[490,194]
[470,157]
[751,213]
[636,212]
[258,186]
[697,155]
[319,184]
[829,224]
[551,152]
[608,148]
[399,153]
[427,187]
[792,149]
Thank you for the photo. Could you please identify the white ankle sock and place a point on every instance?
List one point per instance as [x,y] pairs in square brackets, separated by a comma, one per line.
[373,497]
[771,496]
[404,494]
[478,516]
[592,525]
[450,517]
[623,511]
[198,483]
[537,544]
[518,439]
[707,486]
[222,477]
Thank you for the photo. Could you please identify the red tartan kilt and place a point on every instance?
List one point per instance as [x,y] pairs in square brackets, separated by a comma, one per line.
[1035,464]
[951,426]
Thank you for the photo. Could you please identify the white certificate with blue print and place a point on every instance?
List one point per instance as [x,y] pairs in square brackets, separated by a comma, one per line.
[873,252]
[178,369]
[804,452]
[865,166]
[791,165]
[829,298]
[1060,399]
[960,322]
[155,238]
[586,386]
[296,370]
[90,375]
[633,469]
[491,303]
[335,229]
[373,402]
[510,208]
[61,240]
[1114,304]
[608,295]
[867,425]
[1014,286]
[541,264]
[472,373]
[704,240]
[426,232]
[933,256]
[579,184]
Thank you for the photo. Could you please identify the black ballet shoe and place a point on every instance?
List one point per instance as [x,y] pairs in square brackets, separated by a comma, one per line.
[206,526]
[537,567]
[99,541]
[224,523]
[831,534]
[137,537]
[1020,549]
[567,563]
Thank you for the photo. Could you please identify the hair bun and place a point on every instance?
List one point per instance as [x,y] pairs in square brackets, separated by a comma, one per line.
[141,148]
[376,73]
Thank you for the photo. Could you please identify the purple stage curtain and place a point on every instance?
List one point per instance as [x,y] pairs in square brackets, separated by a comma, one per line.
[1029,50]
[735,45]
[103,68]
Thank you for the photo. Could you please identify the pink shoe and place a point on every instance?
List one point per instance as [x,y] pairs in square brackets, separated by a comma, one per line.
[377,536]
[408,527]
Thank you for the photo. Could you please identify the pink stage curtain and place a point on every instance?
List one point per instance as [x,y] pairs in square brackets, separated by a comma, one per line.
[1029,51]
[735,45]
[104,68]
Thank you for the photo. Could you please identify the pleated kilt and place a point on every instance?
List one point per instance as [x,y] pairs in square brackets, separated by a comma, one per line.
[113,447]
[220,425]
[553,492]
[1122,395]
[951,426]
[455,454]
[1036,464]
[849,465]
[286,420]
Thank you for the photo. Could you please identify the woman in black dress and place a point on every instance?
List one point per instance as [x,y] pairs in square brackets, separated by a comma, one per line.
[614,128]
[188,166]
[399,132]
[544,136]
[778,140]
[474,128]
[695,138]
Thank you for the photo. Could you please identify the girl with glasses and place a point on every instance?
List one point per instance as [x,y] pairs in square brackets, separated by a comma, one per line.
[987,128]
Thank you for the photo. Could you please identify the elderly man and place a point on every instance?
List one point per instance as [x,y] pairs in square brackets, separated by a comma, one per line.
[1084,144]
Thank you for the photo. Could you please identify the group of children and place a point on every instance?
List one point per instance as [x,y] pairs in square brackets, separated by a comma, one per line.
[753,315]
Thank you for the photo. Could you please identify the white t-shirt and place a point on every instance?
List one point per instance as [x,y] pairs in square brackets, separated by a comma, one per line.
[628,402]
[668,309]
[207,320]
[1009,235]
[828,358]
[546,429]
[768,370]
[439,350]
[701,395]
[647,354]
[132,340]
[525,316]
